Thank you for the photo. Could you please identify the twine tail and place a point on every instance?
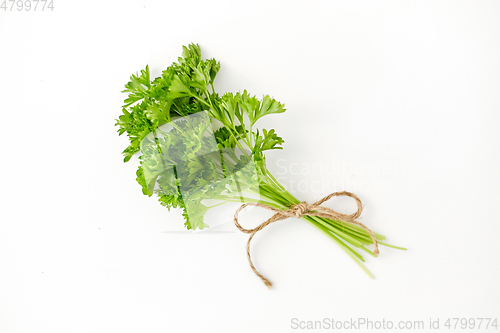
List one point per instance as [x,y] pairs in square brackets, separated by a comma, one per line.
[268,283]
[276,217]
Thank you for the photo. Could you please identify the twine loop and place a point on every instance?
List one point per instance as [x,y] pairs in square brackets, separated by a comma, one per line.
[299,210]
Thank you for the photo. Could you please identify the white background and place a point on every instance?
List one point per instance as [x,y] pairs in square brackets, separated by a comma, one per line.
[397,101]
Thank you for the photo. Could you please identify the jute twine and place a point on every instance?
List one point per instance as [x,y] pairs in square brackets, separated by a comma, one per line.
[299,210]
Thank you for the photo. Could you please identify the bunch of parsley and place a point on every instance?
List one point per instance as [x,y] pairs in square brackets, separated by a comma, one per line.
[186,88]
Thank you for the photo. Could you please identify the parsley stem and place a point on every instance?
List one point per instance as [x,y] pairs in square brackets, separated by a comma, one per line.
[339,231]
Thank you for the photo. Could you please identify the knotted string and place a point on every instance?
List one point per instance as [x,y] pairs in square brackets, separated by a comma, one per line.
[299,210]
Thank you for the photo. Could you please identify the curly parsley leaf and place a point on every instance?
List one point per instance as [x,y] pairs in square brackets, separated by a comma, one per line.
[185,88]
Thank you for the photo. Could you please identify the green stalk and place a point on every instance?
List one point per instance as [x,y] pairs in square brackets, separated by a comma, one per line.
[354,256]
[342,233]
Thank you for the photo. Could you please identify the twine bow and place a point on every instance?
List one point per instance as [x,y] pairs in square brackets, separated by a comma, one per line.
[299,210]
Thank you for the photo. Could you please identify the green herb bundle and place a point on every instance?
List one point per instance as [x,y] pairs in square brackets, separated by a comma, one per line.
[195,145]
